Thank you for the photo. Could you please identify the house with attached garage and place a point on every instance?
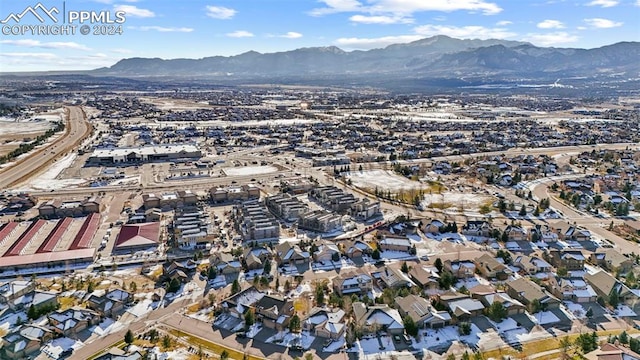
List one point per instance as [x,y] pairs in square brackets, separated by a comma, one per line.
[291,254]
[605,284]
[492,268]
[511,305]
[273,311]
[353,282]
[325,323]
[461,306]
[378,317]
[421,312]
[529,293]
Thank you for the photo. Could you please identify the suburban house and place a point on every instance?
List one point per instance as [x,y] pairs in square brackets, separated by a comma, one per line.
[395,243]
[225,263]
[421,312]
[431,227]
[327,251]
[291,254]
[531,265]
[462,306]
[325,323]
[576,290]
[491,268]
[392,277]
[604,284]
[254,258]
[356,249]
[379,317]
[528,293]
[425,277]
[352,283]
[70,322]
[110,304]
[516,233]
[236,305]
[571,232]
[25,341]
[273,311]
[461,269]
[568,259]
[511,305]
[476,228]
[611,259]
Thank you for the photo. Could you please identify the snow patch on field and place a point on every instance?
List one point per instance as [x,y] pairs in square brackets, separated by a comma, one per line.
[48,181]
[38,123]
[456,199]
[383,180]
[250,170]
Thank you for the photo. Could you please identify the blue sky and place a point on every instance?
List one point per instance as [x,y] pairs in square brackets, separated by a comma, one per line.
[195,28]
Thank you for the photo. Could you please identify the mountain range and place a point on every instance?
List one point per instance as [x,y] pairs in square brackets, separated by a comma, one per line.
[435,57]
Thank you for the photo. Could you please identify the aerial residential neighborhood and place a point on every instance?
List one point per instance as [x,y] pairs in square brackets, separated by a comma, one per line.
[320,180]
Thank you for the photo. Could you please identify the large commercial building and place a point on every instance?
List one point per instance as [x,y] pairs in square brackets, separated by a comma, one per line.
[155,153]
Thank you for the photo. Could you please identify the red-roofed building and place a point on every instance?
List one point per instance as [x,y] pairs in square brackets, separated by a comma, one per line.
[135,237]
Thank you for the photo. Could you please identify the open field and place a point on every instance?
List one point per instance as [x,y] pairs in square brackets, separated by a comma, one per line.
[383,180]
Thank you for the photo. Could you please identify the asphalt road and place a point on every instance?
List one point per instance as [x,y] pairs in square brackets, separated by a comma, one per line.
[76,129]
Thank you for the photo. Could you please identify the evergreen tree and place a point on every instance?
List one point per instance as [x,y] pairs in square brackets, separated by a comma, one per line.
[294,324]
[128,337]
[235,287]
[438,265]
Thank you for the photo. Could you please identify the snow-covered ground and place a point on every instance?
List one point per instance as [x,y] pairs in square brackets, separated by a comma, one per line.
[383,180]
[625,311]
[48,180]
[456,199]
[546,317]
[370,345]
[439,338]
[250,170]
[143,307]
[335,345]
[286,338]
[10,320]
[396,255]
[576,309]
[55,348]
[37,123]
[179,354]
[107,326]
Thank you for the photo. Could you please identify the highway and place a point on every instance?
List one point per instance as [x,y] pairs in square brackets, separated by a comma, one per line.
[77,128]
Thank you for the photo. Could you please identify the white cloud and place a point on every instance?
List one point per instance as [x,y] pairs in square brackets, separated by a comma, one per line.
[336,6]
[121,51]
[475,32]
[380,19]
[133,11]
[637,2]
[220,12]
[604,3]
[551,24]
[405,7]
[112,1]
[373,43]
[599,23]
[291,35]
[44,56]
[240,34]
[550,39]
[162,29]
[411,6]
[45,45]
[504,23]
